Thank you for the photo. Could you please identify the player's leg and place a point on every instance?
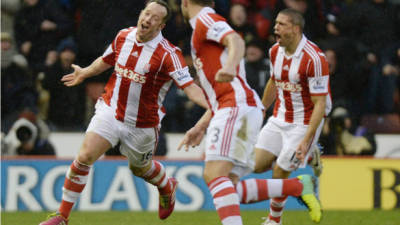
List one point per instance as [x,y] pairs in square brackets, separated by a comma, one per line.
[264,160]
[267,147]
[100,136]
[226,201]
[138,144]
[226,147]
[154,173]
[285,163]
[93,147]
[277,204]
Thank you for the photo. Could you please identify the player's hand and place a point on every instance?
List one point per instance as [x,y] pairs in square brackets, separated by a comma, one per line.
[75,77]
[192,138]
[302,150]
[225,75]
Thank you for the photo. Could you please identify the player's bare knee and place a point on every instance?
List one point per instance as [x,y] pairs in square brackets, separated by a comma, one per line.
[207,177]
[86,158]
[260,169]
[139,171]
[280,173]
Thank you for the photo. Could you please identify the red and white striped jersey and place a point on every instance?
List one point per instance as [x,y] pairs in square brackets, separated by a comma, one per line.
[297,78]
[143,73]
[209,55]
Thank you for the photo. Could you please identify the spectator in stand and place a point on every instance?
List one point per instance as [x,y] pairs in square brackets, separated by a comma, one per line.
[174,106]
[8,10]
[339,79]
[312,13]
[238,21]
[100,22]
[61,116]
[39,26]
[17,87]
[257,66]
[391,72]
[374,25]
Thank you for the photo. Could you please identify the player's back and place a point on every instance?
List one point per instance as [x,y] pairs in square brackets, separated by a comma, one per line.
[209,55]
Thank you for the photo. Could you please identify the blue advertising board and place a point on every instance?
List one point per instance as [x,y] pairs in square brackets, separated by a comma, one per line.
[36,184]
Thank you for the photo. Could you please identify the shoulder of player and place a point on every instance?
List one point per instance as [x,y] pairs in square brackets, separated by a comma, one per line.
[124,32]
[313,52]
[127,30]
[208,19]
[273,50]
[168,47]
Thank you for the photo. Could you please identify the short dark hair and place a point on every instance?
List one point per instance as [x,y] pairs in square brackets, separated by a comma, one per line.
[166,6]
[296,17]
[203,2]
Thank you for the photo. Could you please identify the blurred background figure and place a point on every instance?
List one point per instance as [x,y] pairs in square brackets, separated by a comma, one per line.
[340,137]
[18,90]
[39,26]
[239,22]
[61,116]
[257,66]
[27,136]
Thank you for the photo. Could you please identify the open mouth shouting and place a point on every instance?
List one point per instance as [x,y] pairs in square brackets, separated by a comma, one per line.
[277,37]
[144,27]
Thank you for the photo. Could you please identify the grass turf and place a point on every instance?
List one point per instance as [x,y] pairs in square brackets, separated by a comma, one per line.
[205,218]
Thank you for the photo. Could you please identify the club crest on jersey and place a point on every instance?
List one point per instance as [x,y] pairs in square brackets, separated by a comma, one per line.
[135,54]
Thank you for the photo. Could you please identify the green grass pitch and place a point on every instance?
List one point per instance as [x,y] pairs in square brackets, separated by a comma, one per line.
[205,218]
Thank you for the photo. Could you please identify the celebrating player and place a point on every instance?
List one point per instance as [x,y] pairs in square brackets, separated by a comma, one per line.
[300,84]
[234,120]
[145,65]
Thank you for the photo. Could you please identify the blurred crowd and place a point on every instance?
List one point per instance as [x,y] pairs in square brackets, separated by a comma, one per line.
[40,39]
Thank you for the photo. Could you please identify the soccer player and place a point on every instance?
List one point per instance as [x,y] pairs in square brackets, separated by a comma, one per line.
[145,65]
[300,85]
[233,120]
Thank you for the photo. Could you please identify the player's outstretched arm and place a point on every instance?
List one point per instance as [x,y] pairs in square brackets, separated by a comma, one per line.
[80,74]
[195,94]
[194,136]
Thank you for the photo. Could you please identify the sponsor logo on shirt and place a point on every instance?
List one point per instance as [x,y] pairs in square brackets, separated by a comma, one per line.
[287,86]
[130,74]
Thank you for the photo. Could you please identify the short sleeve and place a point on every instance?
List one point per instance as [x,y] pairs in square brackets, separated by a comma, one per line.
[109,56]
[318,75]
[176,68]
[271,66]
[218,30]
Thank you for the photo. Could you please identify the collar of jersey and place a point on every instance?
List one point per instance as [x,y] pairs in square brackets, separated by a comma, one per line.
[152,43]
[299,48]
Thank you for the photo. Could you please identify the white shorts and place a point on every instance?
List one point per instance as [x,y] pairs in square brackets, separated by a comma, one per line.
[138,144]
[282,139]
[231,136]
